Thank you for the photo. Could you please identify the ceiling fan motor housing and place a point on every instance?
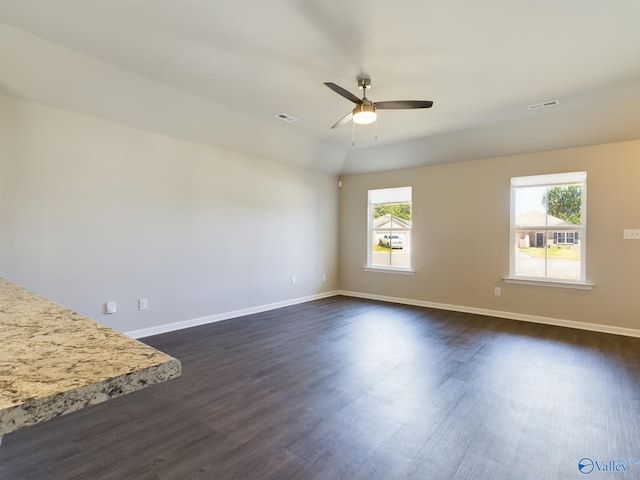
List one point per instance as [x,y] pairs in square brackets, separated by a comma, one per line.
[364,83]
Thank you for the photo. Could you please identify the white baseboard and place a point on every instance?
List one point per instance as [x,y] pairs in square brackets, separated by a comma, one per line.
[594,327]
[171,327]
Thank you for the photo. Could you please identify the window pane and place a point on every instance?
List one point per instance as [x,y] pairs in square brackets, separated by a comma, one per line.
[530,253]
[390,249]
[530,206]
[564,204]
[563,261]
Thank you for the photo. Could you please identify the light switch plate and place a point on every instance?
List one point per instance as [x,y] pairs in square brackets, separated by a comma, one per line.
[631,234]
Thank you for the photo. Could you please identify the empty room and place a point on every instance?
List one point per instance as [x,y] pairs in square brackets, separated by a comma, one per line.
[305,239]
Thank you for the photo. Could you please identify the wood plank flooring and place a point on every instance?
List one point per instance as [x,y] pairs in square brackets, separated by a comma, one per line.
[344,388]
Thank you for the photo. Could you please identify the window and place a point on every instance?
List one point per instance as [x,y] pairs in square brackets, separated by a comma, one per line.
[548,224]
[565,238]
[390,228]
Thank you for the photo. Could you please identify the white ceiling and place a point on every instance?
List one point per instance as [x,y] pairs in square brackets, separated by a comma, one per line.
[218,72]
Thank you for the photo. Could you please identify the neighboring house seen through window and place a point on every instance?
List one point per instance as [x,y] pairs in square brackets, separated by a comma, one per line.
[548,224]
[390,228]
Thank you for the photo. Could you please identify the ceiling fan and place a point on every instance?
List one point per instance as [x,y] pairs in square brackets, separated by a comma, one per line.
[365,110]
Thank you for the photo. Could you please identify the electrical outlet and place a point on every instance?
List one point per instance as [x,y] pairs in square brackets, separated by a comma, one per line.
[497,291]
[294,279]
[110,308]
[142,304]
[324,277]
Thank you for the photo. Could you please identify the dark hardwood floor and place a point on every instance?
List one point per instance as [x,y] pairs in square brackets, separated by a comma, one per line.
[344,388]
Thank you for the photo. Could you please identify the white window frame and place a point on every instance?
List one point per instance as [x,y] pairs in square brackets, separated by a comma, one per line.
[550,181]
[388,195]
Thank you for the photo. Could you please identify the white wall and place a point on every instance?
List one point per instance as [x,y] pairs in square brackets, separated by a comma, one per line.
[92,211]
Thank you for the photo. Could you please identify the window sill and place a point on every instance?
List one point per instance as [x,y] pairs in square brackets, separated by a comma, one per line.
[399,271]
[549,283]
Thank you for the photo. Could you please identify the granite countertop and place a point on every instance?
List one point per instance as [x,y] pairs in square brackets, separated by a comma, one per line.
[54,361]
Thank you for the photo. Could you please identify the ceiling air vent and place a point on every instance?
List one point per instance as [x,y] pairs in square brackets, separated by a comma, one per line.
[550,103]
[286,118]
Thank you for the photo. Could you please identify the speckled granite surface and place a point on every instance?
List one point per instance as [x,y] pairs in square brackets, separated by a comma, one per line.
[54,361]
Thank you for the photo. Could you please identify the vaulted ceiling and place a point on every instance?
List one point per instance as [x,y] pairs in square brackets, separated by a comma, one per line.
[218,72]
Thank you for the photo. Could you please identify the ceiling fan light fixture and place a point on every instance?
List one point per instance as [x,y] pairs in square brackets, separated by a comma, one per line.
[364,114]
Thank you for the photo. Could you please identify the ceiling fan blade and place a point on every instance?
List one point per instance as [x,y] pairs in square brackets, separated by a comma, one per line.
[343,120]
[345,93]
[403,104]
